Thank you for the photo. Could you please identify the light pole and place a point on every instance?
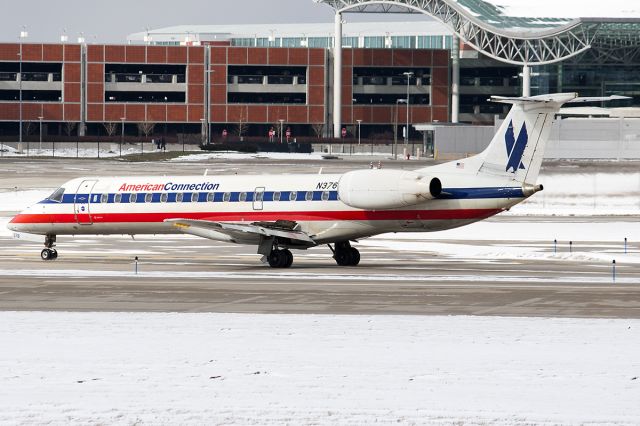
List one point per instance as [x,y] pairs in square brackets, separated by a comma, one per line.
[359,123]
[39,118]
[408,74]
[395,128]
[122,135]
[207,113]
[281,125]
[23,34]
[203,129]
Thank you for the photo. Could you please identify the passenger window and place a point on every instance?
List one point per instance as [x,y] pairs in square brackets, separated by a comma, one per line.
[211,197]
[293,195]
[276,196]
[179,196]
[308,196]
[243,197]
[117,198]
[258,196]
[104,199]
[226,197]
[57,195]
[164,197]
[148,198]
[133,198]
[325,196]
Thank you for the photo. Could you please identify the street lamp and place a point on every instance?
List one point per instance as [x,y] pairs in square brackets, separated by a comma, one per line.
[408,74]
[203,129]
[39,118]
[23,34]
[359,123]
[207,114]
[122,135]
[395,128]
[281,124]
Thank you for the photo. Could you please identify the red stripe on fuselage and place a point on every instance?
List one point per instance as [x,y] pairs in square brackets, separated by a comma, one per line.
[252,216]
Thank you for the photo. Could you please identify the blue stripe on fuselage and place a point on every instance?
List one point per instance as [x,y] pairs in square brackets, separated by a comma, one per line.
[480,193]
[202,197]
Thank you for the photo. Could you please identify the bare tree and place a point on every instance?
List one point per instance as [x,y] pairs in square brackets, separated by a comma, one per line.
[318,128]
[276,127]
[28,127]
[111,128]
[69,127]
[146,128]
[243,126]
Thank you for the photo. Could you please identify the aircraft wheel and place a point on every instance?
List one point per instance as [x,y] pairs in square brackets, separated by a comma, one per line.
[289,258]
[280,259]
[48,254]
[343,257]
[355,256]
[274,258]
[54,254]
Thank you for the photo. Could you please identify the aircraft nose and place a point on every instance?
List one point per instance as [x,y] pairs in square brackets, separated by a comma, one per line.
[17,223]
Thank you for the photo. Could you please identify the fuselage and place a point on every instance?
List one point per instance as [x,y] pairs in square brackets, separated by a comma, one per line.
[142,205]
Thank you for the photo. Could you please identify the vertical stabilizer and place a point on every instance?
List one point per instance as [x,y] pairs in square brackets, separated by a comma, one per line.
[517,149]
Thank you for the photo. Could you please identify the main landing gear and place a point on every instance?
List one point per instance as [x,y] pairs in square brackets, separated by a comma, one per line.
[280,258]
[345,255]
[49,253]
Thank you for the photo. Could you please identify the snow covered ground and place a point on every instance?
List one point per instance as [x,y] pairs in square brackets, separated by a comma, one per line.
[64,150]
[147,368]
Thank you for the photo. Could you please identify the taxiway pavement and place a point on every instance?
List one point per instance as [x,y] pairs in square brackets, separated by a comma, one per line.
[187,274]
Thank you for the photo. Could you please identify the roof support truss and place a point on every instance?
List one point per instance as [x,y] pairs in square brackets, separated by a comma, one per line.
[520,48]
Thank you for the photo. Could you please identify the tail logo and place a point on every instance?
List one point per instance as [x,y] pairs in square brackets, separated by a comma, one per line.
[515,148]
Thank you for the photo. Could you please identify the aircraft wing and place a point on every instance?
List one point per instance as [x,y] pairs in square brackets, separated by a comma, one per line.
[243,233]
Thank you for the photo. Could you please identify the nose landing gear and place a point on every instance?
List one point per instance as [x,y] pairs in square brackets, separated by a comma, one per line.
[49,253]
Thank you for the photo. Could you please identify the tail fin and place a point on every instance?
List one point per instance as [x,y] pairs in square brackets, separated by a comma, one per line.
[517,149]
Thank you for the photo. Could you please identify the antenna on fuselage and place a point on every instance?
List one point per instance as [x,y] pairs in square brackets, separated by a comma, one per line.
[206,171]
[320,171]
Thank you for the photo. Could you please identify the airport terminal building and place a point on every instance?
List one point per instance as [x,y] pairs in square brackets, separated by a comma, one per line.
[248,79]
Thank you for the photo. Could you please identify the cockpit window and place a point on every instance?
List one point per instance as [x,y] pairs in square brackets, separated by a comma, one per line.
[57,195]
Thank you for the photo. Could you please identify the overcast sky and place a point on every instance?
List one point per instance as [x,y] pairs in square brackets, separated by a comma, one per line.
[110,21]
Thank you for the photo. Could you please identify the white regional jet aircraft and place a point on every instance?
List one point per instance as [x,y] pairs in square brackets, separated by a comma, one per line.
[279,213]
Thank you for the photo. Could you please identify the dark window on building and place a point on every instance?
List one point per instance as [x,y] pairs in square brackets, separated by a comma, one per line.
[275,74]
[380,76]
[153,73]
[31,95]
[145,97]
[380,99]
[266,98]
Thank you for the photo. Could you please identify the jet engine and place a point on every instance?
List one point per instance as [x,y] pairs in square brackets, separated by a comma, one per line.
[386,189]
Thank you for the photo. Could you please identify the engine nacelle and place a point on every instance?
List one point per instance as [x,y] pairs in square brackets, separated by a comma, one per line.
[386,189]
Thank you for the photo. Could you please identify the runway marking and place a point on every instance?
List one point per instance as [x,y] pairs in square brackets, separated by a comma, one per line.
[509,305]
[299,276]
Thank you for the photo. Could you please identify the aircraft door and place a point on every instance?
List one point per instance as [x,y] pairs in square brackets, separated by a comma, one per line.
[82,202]
[258,198]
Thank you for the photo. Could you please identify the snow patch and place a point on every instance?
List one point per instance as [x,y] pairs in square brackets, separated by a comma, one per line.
[151,368]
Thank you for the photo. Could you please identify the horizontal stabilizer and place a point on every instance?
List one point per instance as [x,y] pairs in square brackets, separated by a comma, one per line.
[599,99]
[559,98]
